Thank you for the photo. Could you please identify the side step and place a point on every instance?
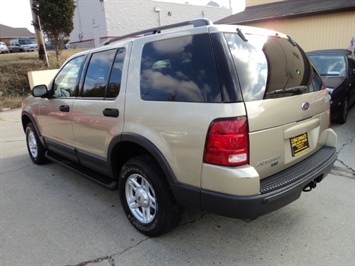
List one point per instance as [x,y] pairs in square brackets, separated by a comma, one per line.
[92,175]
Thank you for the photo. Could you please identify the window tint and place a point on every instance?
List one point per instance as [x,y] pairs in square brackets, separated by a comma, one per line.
[66,82]
[251,65]
[180,69]
[271,67]
[114,83]
[103,76]
[97,74]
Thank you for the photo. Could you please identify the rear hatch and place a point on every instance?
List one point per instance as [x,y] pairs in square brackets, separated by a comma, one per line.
[286,104]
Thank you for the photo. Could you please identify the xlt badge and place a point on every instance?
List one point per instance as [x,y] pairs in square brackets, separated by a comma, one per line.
[273,160]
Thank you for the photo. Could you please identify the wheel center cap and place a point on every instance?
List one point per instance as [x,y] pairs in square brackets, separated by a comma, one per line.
[142,197]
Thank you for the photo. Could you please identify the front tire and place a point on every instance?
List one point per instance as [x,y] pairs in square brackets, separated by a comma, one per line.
[34,146]
[343,116]
[147,198]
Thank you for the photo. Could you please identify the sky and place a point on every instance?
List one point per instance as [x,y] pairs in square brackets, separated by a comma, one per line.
[17,13]
[237,5]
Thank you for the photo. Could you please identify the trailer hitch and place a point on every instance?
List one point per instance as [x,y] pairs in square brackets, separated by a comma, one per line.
[310,186]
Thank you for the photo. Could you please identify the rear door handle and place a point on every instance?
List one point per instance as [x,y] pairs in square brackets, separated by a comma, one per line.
[64,108]
[111,112]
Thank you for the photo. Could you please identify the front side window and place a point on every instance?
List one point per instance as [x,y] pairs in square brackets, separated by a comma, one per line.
[180,69]
[271,67]
[66,82]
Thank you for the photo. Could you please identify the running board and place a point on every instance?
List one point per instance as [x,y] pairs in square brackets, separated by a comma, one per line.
[92,175]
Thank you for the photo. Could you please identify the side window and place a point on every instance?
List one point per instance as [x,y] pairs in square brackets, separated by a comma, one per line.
[316,84]
[97,74]
[114,83]
[181,69]
[66,82]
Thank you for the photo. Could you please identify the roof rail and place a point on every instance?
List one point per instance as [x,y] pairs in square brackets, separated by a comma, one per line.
[195,22]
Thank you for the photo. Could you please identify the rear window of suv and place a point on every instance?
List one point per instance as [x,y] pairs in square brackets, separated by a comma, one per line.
[271,67]
[180,69]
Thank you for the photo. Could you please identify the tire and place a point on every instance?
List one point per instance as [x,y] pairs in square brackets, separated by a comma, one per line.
[146,197]
[343,116]
[34,146]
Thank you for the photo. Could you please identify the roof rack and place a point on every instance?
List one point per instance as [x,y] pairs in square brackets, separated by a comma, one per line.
[195,22]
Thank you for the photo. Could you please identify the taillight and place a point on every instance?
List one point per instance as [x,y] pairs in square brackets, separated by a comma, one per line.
[227,142]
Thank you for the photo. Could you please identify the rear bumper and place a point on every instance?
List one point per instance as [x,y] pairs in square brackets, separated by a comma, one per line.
[276,191]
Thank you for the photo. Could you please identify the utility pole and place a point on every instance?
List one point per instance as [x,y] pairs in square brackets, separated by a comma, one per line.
[39,35]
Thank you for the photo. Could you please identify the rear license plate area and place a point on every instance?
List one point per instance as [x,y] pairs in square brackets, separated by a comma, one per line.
[299,144]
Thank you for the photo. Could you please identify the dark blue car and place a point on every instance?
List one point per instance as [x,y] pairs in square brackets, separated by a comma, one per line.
[337,69]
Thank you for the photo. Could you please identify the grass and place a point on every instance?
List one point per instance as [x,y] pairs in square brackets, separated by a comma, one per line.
[14,84]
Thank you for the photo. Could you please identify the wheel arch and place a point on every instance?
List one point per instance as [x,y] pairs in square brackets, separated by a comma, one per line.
[129,145]
[27,118]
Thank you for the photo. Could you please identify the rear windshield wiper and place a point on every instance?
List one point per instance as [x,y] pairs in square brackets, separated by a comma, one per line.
[291,40]
[295,90]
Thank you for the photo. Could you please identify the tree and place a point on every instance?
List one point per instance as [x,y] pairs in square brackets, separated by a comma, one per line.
[56,18]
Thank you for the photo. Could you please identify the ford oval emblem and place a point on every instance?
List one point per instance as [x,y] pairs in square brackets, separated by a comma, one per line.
[306,106]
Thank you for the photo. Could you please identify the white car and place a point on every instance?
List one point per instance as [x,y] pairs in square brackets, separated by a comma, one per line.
[3,48]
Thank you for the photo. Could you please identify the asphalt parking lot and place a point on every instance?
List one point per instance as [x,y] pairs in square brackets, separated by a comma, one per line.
[51,216]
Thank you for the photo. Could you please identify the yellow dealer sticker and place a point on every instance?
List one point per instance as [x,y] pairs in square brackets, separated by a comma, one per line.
[299,144]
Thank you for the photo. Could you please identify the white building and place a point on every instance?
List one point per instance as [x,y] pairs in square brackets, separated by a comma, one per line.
[96,21]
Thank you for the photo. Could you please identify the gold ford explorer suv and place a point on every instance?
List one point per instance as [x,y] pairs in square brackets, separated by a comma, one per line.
[231,120]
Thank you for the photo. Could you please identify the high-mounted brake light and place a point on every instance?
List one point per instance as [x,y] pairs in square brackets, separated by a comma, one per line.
[227,142]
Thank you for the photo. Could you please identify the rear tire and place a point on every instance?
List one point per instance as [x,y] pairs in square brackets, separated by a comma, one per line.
[146,197]
[34,146]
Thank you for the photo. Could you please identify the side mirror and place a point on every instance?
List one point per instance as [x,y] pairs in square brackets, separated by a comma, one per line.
[353,72]
[40,91]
